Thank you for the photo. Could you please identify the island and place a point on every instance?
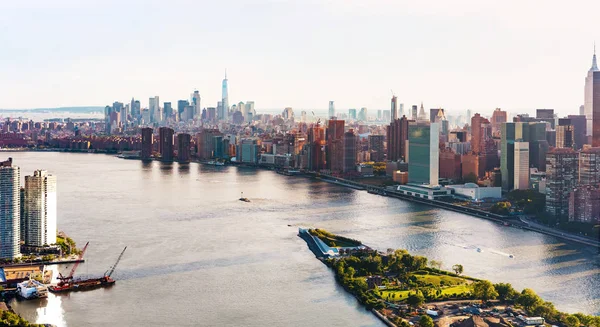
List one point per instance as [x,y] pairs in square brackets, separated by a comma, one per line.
[403,289]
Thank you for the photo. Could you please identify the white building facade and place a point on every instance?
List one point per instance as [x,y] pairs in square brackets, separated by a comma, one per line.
[40,208]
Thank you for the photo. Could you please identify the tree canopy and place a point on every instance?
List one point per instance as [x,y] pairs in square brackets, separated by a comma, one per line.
[426,321]
[484,290]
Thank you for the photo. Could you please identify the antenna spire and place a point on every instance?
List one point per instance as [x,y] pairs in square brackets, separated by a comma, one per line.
[594,63]
[226,68]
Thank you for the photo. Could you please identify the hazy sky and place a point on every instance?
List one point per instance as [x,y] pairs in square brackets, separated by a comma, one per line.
[459,54]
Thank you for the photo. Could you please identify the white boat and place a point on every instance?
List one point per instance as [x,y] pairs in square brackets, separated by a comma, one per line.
[32,289]
[215,163]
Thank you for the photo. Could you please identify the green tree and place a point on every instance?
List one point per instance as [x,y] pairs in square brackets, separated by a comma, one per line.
[484,290]
[426,321]
[528,299]
[501,208]
[415,300]
[458,269]
[571,321]
[435,264]
[506,292]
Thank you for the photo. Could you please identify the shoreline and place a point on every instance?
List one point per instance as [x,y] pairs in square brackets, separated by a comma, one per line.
[514,222]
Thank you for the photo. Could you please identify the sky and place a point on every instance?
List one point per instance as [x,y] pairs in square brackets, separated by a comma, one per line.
[458,55]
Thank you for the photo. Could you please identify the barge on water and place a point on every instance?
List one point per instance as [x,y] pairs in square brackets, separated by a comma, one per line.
[68,284]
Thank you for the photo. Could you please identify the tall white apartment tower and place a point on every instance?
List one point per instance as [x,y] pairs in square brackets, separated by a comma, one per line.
[10,210]
[40,209]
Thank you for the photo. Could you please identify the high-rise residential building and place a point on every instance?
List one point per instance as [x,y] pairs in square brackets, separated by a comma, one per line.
[400,110]
[206,144]
[352,114]
[147,143]
[561,179]
[397,136]
[350,141]
[413,112]
[248,150]
[498,118]
[40,209]
[10,211]
[224,99]
[589,166]
[303,116]
[478,133]
[579,130]
[592,101]
[331,110]
[335,145]
[394,108]
[196,102]
[184,141]
[376,149]
[165,143]
[521,166]
[154,107]
[424,152]
[584,204]
[533,133]
[316,145]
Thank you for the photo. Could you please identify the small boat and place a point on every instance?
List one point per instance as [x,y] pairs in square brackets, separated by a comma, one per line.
[242,198]
[511,256]
[479,250]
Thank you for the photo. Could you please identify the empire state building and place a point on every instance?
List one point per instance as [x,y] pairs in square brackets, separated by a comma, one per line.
[592,102]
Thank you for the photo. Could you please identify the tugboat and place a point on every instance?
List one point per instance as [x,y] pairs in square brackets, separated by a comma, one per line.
[242,198]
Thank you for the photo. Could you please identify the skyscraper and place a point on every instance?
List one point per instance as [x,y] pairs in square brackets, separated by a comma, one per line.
[167,111]
[561,179]
[424,153]
[521,166]
[352,114]
[181,104]
[335,145]
[196,103]
[579,130]
[205,143]
[414,112]
[498,118]
[592,101]
[40,209]
[564,133]
[331,110]
[165,143]
[478,133]
[349,162]
[376,148]
[589,167]
[154,106]
[394,108]
[225,98]
[183,147]
[507,151]
[397,135]
[362,115]
[422,115]
[10,211]
[147,143]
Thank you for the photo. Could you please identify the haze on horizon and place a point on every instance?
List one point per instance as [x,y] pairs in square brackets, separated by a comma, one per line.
[459,55]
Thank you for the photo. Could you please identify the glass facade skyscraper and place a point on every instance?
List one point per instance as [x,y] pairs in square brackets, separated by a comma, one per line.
[424,153]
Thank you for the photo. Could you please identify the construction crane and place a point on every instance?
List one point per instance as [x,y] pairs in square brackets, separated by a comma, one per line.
[65,279]
[318,120]
[109,272]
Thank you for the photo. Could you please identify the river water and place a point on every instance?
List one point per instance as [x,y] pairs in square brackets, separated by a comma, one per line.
[199,257]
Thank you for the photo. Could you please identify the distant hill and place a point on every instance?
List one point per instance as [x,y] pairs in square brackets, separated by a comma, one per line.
[61,109]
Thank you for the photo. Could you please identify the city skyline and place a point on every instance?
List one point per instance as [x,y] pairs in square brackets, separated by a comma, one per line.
[270,65]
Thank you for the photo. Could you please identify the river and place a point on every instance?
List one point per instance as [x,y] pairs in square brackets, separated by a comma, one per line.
[199,257]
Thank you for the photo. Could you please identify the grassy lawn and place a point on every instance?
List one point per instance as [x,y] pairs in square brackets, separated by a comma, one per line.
[394,295]
[459,289]
[435,279]
[400,295]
